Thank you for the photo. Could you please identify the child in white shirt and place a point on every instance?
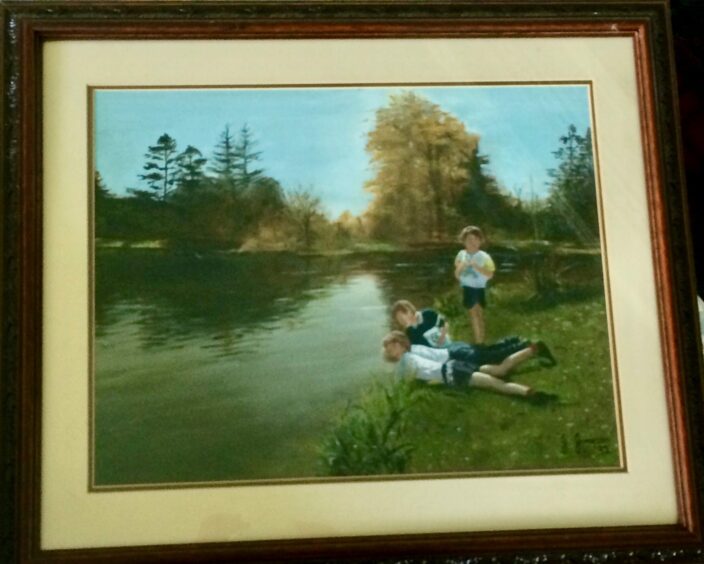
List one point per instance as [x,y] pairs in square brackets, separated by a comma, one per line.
[474,268]
[436,366]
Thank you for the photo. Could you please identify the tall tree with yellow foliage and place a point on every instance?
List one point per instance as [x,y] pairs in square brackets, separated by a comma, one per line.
[420,155]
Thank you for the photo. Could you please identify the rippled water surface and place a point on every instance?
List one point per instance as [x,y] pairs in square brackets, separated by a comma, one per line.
[229,367]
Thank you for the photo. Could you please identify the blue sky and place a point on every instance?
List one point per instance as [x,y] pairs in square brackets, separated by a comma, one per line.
[315,137]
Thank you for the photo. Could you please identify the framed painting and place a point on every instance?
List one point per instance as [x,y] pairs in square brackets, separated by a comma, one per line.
[342,281]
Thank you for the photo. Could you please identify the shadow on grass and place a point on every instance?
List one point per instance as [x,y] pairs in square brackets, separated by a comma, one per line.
[543,302]
[465,393]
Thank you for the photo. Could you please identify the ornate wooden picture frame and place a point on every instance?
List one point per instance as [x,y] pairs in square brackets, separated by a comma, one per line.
[371,521]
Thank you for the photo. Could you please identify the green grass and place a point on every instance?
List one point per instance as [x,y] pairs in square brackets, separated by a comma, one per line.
[372,436]
[447,430]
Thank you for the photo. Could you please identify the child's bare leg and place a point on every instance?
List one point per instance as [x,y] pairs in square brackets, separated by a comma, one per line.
[508,364]
[476,316]
[488,382]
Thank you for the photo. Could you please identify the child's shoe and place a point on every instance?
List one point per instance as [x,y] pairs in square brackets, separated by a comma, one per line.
[543,353]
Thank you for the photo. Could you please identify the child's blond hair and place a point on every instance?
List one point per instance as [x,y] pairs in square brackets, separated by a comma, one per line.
[398,337]
[402,305]
[471,230]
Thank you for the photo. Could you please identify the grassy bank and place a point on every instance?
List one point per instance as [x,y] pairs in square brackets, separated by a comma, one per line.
[435,429]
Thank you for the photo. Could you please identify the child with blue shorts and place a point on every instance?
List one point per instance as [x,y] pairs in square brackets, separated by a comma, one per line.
[462,365]
[474,268]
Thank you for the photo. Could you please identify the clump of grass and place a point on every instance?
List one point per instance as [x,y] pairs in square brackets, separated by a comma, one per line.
[450,305]
[370,437]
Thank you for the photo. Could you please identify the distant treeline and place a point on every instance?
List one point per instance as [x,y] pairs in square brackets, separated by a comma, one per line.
[221,202]
[430,179]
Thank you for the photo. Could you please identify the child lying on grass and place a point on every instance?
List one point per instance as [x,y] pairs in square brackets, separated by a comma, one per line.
[461,365]
[425,327]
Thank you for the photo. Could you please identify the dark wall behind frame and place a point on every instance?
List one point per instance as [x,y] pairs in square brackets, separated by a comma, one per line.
[688,23]
[688,35]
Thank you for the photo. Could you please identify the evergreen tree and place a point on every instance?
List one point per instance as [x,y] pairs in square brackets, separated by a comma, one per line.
[161,167]
[572,205]
[246,156]
[191,165]
[224,161]
[101,204]
[266,197]
[101,191]
[485,203]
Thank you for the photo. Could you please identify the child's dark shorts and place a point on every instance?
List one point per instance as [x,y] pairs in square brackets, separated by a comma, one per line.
[473,296]
[460,373]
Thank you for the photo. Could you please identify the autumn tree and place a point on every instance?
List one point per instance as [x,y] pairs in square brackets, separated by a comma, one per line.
[303,207]
[349,227]
[420,155]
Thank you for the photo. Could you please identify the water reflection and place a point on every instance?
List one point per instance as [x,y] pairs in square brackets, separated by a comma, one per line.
[223,297]
[173,297]
[183,414]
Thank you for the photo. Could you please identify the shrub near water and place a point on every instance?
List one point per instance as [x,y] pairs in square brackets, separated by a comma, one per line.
[370,437]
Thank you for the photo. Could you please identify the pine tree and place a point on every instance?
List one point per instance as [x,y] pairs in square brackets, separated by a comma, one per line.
[161,167]
[191,165]
[101,191]
[484,202]
[572,204]
[246,157]
[224,161]
[101,204]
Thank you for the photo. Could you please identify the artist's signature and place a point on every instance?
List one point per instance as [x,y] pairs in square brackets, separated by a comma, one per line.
[585,446]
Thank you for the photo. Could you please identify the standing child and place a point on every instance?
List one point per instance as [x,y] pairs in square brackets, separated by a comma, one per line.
[474,268]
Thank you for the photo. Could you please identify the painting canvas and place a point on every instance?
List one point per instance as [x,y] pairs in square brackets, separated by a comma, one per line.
[251,247]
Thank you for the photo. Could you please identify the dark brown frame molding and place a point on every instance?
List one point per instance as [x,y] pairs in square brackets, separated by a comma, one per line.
[28,24]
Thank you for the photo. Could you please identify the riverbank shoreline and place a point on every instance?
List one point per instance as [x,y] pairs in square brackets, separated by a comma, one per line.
[356,249]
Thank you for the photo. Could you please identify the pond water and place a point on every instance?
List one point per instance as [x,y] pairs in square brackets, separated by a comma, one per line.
[230,367]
